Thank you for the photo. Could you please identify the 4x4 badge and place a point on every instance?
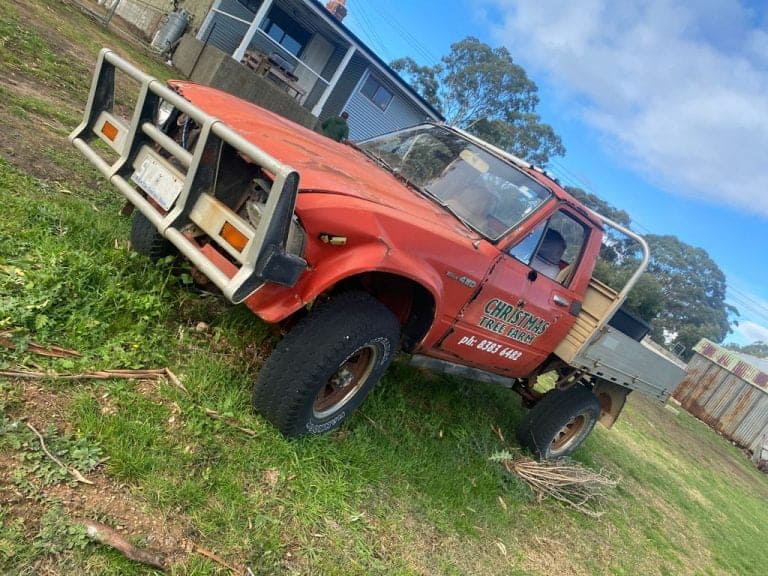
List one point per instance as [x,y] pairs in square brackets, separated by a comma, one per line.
[468,282]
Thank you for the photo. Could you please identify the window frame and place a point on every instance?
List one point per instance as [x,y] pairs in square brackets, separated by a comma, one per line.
[379,87]
[279,19]
[539,231]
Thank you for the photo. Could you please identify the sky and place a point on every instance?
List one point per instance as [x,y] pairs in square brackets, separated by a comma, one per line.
[662,106]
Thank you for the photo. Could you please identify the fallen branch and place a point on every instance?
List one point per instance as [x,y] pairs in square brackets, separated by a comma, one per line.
[229,422]
[568,482]
[211,556]
[71,471]
[175,380]
[103,534]
[52,351]
[154,374]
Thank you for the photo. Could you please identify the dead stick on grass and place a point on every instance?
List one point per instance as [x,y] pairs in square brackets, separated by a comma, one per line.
[229,422]
[51,351]
[71,471]
[175,380]
[572,484]
[103,534]
[98,375]
[210,555]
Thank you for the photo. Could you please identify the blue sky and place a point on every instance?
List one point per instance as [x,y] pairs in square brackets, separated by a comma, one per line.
[662,106]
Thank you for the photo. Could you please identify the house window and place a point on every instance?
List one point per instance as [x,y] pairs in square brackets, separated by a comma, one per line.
[285,31]
[376,92]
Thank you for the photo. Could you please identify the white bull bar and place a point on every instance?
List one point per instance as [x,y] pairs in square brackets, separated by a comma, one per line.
[264,257]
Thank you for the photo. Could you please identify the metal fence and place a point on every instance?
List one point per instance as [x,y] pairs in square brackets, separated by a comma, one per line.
[729,393]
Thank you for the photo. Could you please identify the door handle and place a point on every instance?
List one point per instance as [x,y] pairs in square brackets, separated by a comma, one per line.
[560,301]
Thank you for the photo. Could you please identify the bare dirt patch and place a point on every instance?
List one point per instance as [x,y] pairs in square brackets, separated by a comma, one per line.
[106,501]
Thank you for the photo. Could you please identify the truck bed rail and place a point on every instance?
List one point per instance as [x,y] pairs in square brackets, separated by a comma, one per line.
[152,169]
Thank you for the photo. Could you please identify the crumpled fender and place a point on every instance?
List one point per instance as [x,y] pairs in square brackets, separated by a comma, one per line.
[275,303]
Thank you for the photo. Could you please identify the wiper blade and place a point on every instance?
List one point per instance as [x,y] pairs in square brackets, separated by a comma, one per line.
[449,208]
[395,171]
[376,158]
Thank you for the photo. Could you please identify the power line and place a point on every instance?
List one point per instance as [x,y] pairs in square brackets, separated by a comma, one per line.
[362,18]
[748,303]
[400,30]
[748,306]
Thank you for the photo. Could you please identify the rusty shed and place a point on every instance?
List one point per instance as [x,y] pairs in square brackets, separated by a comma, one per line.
[728,391]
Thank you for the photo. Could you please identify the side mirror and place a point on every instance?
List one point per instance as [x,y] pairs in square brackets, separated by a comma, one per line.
[533,275]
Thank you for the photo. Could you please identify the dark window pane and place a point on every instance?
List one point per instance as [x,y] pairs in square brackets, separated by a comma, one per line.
[286,31]
[382,98]
[376,92]
[370,86]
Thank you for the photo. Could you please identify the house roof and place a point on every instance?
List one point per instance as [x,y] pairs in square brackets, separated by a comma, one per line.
[384,67]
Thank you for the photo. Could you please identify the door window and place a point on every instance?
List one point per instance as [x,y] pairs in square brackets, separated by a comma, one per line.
[553,248]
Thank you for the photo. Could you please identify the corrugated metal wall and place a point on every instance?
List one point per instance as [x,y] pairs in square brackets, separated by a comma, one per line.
[725,391]
[373,121]
[224,32]
[340,93]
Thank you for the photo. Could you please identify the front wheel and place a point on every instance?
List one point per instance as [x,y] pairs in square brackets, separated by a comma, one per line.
[323,369]
[147,241]
[560,422]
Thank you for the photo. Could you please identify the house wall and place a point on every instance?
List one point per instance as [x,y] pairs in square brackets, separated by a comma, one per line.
[367,120]
[210,66]
[727,393]
[344,87]
[224,32]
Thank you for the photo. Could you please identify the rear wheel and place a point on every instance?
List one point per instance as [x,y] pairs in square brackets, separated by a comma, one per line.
[560,422]
[147,241]
[323,369]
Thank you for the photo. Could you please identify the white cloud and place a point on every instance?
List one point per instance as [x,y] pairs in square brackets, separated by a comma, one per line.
[678,90]
[751,332]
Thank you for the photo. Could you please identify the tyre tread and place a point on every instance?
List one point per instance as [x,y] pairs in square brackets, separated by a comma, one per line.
[285,384]
[550,414]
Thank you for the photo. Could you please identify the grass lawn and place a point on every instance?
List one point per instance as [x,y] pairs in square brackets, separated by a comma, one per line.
[406,487]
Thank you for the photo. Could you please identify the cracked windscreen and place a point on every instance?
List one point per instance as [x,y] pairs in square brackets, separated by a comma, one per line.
[484,192]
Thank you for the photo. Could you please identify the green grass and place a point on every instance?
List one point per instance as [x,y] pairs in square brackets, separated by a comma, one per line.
[405,487]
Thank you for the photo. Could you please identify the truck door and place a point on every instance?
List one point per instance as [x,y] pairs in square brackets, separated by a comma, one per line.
[527,304]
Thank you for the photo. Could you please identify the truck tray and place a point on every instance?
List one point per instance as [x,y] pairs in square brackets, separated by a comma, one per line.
[617,358]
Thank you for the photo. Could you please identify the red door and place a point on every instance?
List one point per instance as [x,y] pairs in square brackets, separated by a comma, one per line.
[515,321]
[527,304]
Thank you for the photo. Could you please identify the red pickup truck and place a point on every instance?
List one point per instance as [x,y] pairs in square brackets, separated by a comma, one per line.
[426,240]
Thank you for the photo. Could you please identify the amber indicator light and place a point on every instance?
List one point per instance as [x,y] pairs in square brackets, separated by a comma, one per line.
[233,236]
[109,130]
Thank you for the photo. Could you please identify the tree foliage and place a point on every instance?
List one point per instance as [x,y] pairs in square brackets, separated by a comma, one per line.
[694,290]
[482,90]
[682,293]
[758,349]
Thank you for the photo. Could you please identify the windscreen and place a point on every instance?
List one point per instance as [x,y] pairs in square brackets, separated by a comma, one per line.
[484,192]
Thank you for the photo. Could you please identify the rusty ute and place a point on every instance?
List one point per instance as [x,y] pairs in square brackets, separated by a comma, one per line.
[426,240]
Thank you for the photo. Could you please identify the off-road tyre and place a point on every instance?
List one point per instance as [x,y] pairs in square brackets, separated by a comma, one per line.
[325,366]
[560,422]
[147,241]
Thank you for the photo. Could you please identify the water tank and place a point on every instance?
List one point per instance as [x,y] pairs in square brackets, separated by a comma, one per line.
[170,31]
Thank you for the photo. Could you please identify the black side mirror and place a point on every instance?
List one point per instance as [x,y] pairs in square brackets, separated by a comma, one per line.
[532,275]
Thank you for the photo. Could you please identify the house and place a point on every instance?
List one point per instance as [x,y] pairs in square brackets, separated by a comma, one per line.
[297,58]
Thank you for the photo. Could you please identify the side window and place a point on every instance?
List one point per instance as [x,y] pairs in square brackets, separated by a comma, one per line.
[524,249]
[554,247]
[376,92]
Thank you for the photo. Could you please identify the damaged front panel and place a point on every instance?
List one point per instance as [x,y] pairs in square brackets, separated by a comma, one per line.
[196,180]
